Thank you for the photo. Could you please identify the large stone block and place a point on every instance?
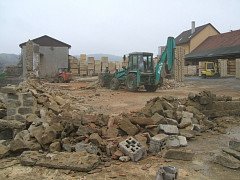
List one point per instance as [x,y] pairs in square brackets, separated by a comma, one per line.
[75,161]
[227,161]
[11,111]
[128,127]
[179,154]
[12,96]
[27,96]
[25,110]
[4,151]
[158,143]
[169,129]
[132,148]
[9,89]
[167,173]
[13,103]
[28,103]
[234,144]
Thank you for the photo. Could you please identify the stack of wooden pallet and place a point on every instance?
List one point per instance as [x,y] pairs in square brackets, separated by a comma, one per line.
[83,65]
[91,66]
[97,68]
[223,67]
[112,66]
[190,70]
[179,64]
[238,68]
[231,66]
[73,65]
[201,67]
[104,62]
[118,65]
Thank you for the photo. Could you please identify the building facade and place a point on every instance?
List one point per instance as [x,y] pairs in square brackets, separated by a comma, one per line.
[192,38]
[47,54]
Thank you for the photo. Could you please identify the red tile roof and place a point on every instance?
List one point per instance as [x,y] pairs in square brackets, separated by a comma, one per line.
[219,41]
[221,45]
[187,35]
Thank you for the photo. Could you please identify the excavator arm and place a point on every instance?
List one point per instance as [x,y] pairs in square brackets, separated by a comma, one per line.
[166,57]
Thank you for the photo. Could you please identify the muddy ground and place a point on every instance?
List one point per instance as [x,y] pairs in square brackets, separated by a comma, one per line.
[114,102]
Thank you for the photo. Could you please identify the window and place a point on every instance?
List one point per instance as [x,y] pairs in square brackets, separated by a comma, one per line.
[135,62]
[210,66]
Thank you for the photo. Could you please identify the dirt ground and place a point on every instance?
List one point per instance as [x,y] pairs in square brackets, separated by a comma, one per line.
[114,102]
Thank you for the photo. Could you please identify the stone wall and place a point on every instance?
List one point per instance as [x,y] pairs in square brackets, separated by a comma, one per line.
[18,104]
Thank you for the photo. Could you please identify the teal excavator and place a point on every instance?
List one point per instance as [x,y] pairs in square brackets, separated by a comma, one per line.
[140,70]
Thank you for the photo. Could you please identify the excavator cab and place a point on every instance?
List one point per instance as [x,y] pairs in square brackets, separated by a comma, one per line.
[141,61]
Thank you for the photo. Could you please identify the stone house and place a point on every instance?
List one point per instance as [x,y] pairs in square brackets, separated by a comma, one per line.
[44,55]
[192,38]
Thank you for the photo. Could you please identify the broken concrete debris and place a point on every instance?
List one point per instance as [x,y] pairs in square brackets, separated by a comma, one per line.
[43,119]
[76,161]
[132,148]
[235,144]
[179,154]
[229,157]
[167,172]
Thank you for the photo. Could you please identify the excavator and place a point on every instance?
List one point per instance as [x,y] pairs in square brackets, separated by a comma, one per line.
[140,70]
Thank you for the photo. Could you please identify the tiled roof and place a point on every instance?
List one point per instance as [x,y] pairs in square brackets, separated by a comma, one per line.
[185,36]
[48,41]
[221,45]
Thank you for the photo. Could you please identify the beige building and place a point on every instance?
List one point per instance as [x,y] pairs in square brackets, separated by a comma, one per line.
[192,38]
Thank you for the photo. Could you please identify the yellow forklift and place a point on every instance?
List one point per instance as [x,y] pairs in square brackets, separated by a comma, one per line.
[211,70]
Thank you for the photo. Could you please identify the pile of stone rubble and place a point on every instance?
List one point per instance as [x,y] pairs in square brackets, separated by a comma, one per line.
[49,128]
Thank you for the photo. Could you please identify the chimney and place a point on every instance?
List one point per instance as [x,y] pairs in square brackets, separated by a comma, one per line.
[193,27]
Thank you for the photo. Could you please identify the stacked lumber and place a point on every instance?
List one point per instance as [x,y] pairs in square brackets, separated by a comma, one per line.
[223,67]
[190,70]
[97,68]
[231,66]
[83,65]
[112,66]
[91,65]
[104,63]
[118,65]
[178,68]
[238,68]
[201,67]
[73,65]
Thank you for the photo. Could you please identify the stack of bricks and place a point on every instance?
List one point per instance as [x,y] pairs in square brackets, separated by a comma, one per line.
[73,65]
[238,68]
[91,66]
[112,67]
[178,68]
[18,104]
[104,63]
[223,67]
[83,65]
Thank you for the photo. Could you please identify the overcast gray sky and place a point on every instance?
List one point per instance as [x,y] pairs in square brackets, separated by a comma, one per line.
[110,26]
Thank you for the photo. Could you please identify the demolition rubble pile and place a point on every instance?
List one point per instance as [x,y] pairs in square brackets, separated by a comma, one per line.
[59,132]
[171,84]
